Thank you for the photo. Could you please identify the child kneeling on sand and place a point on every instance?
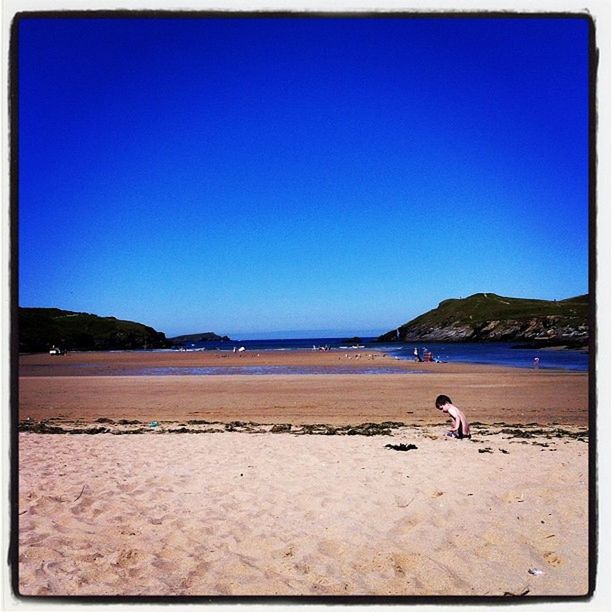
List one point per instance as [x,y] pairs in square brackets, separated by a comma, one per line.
[461,427]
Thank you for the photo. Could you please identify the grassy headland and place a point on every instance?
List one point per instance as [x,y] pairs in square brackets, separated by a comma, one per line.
[487,317]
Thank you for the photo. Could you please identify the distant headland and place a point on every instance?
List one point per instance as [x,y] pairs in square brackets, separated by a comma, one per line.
[201,337]
[42,328]
[487,317]
[483,317]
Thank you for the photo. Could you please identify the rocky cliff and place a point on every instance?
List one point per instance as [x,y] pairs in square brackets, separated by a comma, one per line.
[487,317]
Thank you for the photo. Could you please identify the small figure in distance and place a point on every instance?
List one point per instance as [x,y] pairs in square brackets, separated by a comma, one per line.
[461,427]
[536,363]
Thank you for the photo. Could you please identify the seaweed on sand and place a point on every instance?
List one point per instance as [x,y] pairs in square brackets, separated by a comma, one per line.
[41,427]
[546,433]
[401,447]
[364,429]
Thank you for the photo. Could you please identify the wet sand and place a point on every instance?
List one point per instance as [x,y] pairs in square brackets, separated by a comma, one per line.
[88,386]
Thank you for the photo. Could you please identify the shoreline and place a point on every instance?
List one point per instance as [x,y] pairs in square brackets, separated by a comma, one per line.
[100,385]
[106,363]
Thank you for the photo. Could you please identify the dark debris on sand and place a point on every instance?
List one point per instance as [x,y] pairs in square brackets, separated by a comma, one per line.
[557,432]
[365,429]
[401,447]
[517,434]
[196,426]
[45,428]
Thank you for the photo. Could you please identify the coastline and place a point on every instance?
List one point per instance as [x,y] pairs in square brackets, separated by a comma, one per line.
[89,386]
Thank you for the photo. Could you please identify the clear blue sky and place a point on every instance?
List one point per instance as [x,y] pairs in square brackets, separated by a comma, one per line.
[253,176]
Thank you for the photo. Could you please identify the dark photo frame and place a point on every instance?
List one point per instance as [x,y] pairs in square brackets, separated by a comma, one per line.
[75,373]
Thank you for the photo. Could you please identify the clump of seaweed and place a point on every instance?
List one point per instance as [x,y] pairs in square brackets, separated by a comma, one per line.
[402,447]
[244,426]
[195,426]
[40,427]
[557,432]
[364,429]
[521,433]
[317,429]
[88,430]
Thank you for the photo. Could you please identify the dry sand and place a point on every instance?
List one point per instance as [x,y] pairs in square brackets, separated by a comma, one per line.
[233,513]
[264,513]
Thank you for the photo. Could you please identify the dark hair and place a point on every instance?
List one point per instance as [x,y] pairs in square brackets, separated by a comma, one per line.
[442,400]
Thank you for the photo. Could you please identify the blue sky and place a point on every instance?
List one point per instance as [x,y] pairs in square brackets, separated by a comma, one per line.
[253,176]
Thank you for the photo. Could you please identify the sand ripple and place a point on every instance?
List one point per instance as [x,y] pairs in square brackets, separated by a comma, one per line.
[311,515]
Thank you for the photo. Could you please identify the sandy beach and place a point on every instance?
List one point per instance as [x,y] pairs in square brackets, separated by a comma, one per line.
[260,508]
[228,239]
[88,386]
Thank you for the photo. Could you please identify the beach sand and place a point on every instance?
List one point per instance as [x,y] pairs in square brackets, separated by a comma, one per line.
[287,514]
[88,386]
[240,514]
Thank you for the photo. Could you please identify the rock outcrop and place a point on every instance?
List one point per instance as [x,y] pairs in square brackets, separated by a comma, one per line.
[487,317]
[201,337]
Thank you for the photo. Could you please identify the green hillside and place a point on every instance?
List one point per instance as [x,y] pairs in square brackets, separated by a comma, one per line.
[490,317]
[42,328]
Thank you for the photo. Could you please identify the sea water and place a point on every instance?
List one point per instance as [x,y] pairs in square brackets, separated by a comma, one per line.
[495,353]
[259,370]
[491,353]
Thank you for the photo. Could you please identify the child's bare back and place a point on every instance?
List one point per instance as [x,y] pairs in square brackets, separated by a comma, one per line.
[461,427]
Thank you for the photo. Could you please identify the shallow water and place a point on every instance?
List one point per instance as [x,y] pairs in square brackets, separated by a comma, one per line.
[263,370]
[495,353]
[490,353]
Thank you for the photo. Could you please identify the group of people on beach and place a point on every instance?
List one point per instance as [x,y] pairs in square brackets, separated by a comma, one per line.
[427,356]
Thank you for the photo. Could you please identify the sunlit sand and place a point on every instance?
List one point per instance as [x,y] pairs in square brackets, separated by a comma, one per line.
[239,513]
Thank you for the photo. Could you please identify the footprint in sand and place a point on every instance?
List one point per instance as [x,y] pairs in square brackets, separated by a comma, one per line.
[552,559]
[290,552]
[128,557]
[398,562]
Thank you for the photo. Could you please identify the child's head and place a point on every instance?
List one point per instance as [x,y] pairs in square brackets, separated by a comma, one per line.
[442,400]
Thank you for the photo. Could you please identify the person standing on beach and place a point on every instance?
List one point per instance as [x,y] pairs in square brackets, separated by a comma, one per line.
[461,427]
